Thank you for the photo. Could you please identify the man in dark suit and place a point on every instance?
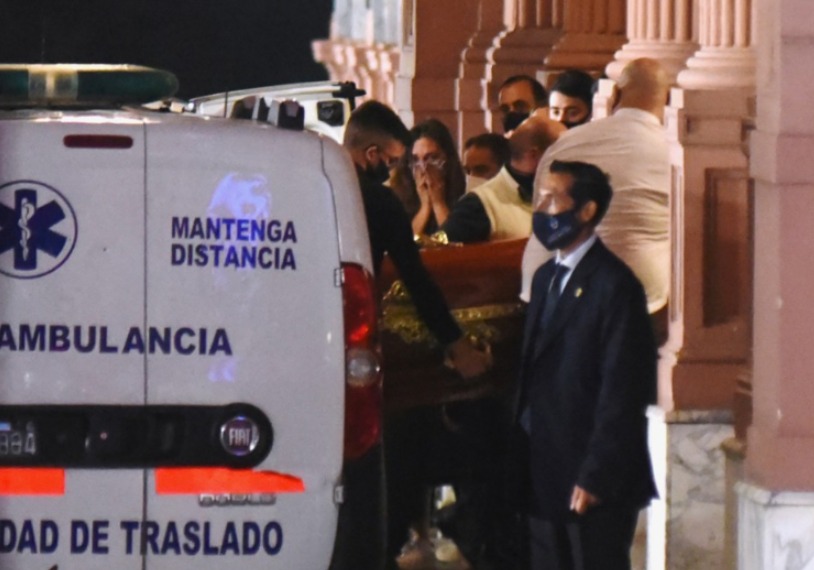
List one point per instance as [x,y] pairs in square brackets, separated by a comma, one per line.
[588,374]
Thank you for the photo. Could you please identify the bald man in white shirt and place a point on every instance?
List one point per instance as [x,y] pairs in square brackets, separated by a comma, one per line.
[631,147]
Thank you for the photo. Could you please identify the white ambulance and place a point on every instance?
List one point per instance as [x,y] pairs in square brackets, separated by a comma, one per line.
[188,346]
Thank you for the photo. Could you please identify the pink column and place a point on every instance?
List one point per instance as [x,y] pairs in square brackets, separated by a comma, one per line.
[781,440]
[363,74]
[661,29]
[532,28]
[709,323]
[323,53]
[708,118]
[435,33]
[726,58]
[594,30]
[355,53]
[338,56]
[373,63]
[473,93]
[389,65]
[710,304]
[710,308]
[775,500]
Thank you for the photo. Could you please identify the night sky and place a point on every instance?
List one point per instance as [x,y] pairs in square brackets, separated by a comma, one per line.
[211,45]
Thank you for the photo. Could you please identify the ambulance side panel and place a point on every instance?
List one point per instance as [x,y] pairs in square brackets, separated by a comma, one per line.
[76,216]
[242,251]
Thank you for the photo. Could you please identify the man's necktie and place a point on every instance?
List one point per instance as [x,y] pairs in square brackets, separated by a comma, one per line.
[552,297]
[554,290]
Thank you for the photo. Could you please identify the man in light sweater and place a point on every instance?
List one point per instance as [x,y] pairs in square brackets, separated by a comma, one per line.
[631,147]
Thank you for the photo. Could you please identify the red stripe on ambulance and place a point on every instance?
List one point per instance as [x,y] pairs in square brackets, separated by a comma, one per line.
[32,481]
[191,481]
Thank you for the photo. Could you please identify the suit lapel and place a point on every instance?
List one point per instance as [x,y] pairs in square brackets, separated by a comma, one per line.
[572,296]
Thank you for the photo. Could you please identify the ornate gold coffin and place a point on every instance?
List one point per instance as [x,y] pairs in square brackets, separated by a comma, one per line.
[481,283]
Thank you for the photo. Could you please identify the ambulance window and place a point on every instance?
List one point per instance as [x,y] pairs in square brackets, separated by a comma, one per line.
[331,112]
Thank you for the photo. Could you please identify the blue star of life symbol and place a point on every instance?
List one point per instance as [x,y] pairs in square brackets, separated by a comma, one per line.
[27,229]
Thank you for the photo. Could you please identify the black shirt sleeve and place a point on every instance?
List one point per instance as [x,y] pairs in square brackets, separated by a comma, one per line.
[391,232]
[468,222]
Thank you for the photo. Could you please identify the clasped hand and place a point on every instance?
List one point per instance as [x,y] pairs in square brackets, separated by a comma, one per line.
[467,360]
[429,183]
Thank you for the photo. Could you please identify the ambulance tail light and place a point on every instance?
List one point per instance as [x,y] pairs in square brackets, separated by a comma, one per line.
[363,377]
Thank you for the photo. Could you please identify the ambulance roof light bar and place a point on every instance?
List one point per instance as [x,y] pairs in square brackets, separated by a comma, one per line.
[82,85]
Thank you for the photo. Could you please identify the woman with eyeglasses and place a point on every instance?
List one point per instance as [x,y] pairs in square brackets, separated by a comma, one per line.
[430,178]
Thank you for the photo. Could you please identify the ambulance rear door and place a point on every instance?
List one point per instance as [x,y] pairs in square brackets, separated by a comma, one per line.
[73,288]
[242,273]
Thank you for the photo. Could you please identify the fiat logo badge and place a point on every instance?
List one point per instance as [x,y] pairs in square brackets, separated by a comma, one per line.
[239,436]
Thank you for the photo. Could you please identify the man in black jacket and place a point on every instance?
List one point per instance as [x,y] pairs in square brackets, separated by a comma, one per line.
[588,373]
[376,139]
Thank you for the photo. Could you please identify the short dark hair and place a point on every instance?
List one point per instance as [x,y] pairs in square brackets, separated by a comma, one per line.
[590,185]
[497,144]
[537,89]
[372,123]
[577,84]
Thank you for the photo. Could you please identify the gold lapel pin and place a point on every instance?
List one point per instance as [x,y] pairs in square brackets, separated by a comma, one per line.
[578,292]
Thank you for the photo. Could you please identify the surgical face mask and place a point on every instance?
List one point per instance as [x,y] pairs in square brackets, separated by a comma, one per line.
[473,182]
[556,231]
[512,120]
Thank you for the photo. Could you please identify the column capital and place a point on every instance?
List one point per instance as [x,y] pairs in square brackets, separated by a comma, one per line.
[523,47]
[586,51]
[725,59]
[720,68]
[671,55]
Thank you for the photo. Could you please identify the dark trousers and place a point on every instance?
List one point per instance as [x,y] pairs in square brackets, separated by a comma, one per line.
[455,444]
[598,540]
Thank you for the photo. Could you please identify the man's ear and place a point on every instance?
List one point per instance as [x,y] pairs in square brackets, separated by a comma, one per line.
[371,153]
[587,212]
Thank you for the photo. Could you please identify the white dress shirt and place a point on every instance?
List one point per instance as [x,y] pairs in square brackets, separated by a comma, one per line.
[631,147]
[572,259]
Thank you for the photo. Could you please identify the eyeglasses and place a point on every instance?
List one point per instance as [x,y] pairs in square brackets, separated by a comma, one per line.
[423,164]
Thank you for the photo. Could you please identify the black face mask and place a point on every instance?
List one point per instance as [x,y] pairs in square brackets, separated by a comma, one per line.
[524,181]
[572,124]
[378,173]
[556,231]
[513,119]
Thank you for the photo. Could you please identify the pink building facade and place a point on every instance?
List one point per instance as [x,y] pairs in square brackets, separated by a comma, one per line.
[732,434]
